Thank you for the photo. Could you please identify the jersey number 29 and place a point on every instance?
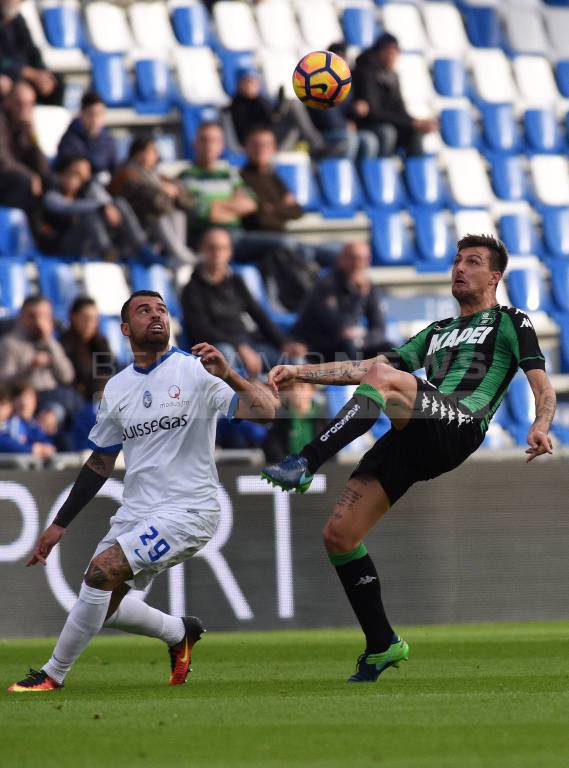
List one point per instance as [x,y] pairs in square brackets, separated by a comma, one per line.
[160,547]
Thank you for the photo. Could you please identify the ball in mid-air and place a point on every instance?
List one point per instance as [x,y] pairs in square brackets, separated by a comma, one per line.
[322,79]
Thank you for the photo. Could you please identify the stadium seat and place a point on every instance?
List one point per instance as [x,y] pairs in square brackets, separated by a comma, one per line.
[500,128]
[58,59]
[295,170]
[458,128]
[58,281]
[111,79]
[550,176]
[463,164]
[424,181]
[535,81]
[467,222]
[404,21]
[192,117]
[556,232]
[191,24]
[518,232]
[63,25]
[560,285]
[449,76]
[483,26]
[542,131]
[382,182]
[151,28]
[110,327]
[527,290]
[525,32]
[156,278]
[277,26]
[198,77]
[155,90]
[508,178]
[416,84]
[434,238]
[492,75]
[319,24]
[276,67]
[106,284]
[445,29]
[235,26]
[50,124]
[557,26]
[232,62]
[496,438]
[391,245]
[341,191]
[564,347]
[254,282]
[360,26]
[521,405]
[14,285]
[15,236]
[562,77]
[108,27]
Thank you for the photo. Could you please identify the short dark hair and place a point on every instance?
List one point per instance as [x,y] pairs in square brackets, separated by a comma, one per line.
[139,144]
[209,124]
[66,161]
[80,302]
[125,306]
[89,99]
[19,387]
[259,128]
[6,394]
[498,251]
[33,301]
[385,40]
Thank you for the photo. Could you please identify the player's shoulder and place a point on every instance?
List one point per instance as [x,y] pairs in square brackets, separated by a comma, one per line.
[440,325]
[519,318]
[118,384]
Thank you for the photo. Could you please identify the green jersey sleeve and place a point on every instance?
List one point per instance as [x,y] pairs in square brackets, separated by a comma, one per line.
[410,356]
[525,344]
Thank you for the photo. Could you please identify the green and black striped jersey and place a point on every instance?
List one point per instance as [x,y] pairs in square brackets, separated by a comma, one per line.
[474,358]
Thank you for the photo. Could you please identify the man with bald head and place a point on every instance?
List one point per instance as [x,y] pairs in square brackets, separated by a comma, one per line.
[342,315]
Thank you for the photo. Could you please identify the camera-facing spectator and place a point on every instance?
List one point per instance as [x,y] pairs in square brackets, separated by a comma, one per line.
[43,424]
[20,57]
[23,166]
[18,435]
[298,419]
[88,137]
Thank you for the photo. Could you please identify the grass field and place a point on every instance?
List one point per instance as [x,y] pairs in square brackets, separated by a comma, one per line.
[491,695]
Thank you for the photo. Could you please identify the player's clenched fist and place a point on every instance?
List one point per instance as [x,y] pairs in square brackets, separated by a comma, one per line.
[212,359]
[282,376]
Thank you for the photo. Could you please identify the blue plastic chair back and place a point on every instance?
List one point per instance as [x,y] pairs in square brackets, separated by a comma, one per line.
[562,77]
[63,27]
[501,133]
[381,182]
[560,285]
[390,240]
[340,186]
[556,231]
[360,27]
[457,127]
[518,233]
[521,402]
[424,181]
[508,177]
[542,130]
[483,26]
[58,282]
[15,236]
[110,327]
[449,77]
[111,80]
[527,290]
[14,284]
[156,278]
[434,238]
[191,25]
[299,178]
[153,81]
[232,62]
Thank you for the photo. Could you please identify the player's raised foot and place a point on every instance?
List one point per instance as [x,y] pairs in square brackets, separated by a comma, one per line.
[371,665]
[181,653]
[35,681]
[290,474]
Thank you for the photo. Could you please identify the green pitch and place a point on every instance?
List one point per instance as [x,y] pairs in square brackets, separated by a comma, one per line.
[492,695]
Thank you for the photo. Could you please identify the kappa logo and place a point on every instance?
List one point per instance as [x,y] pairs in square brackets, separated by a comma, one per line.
[451,415]
[365,580]
[526,323]
[424,402]
[434,407]
[453,338]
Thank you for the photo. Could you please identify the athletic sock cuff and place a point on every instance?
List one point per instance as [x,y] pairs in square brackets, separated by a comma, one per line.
[366,390]
[347,557]
[92,595]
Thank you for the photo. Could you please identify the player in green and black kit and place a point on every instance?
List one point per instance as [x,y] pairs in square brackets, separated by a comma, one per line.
[436,424]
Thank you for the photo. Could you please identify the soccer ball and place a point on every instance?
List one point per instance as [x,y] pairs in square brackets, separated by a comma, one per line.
[322,79]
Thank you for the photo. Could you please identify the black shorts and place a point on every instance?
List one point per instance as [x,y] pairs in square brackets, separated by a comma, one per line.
[438,437]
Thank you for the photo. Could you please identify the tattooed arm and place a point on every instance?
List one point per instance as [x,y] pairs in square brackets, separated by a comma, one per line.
[345,372]
[538,437]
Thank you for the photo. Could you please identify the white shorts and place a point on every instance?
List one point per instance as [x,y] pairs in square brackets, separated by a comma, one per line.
[156,542]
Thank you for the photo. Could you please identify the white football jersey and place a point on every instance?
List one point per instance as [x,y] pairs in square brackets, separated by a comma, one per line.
[164,419]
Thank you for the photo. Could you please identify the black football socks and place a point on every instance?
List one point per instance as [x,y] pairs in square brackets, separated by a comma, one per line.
[361,584]
[358,416]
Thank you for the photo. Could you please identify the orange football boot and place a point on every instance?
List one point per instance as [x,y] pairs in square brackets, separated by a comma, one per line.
[35,681]
[181,653]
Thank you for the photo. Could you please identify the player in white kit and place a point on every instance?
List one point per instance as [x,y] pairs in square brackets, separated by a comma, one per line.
[161,411]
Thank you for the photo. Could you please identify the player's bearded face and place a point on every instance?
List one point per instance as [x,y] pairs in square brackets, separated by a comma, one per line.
[150,326]
[471,274]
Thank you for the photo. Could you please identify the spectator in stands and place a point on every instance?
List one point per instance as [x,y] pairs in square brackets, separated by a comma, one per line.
[220,198]
[42,423]
[155,199]
[299,418]
[80,218]
[87,348]
[20,58]
[88,137]
[289,118]
[17,436]
[23,166]
[342,317]
[378,104]
[215,302]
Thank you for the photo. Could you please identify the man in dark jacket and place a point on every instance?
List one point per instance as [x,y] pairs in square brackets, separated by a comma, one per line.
[342,317]
[215,302]
[378,104]
[87,136]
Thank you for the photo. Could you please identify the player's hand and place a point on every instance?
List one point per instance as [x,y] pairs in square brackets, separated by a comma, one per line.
[46,542]
[281,376]
[539,443]
[212,359]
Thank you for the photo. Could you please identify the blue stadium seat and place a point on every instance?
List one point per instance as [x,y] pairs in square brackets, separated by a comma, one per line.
[508,178]
[556,231]
[562,77]
[382,183]
[111,79]
[424,181]
[14,284]
[341,191]
[299,178]
[110,327]
[564,347]
[63,26]
[528,291]
[191,25]
[449,76]
[560,285]
[495,439]
[192,117]
[390,240]
[155,90]
[15,236]
[500,128]
[521,405]
[518,233]
[360,27]
[156,278]
[57,281]
[254,282]
[232,62]
[458,128]
[542,131]
[483,26]
[434,239]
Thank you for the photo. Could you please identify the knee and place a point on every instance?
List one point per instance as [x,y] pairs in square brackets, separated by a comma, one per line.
[98,575]
[337,540]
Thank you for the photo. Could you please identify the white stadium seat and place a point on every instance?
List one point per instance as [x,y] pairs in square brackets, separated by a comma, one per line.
[550,176]
[198,77]
[277,67]
[535,81]
[319,24]
[56,59]
[492,75]
[106,284]
[108,27]
[277,26]
[235,25]
[557,25]
[525,30]
[471,222]
[403,21]
[468,180]
[445,29]
[50,124]
[151,28]
[416,84]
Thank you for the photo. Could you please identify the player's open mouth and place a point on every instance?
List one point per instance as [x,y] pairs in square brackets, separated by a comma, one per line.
[156,327]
